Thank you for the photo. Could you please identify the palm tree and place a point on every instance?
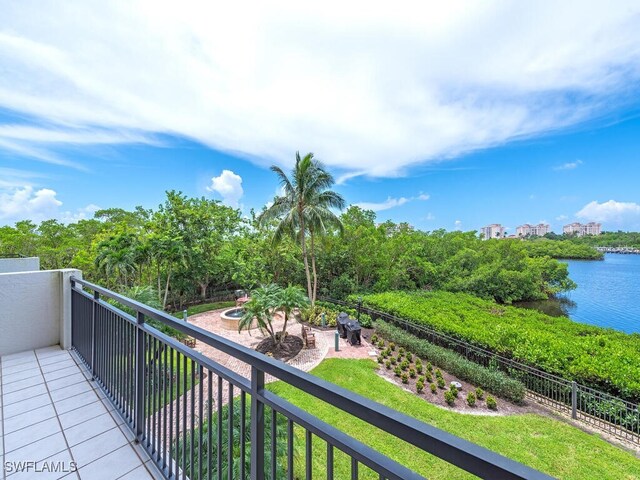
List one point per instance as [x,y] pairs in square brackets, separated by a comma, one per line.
[305,206]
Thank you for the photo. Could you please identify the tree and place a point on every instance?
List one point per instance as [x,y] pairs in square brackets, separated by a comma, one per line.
[305,207]
[263,305]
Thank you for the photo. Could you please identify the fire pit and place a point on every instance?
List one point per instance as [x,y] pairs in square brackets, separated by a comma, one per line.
[353,332]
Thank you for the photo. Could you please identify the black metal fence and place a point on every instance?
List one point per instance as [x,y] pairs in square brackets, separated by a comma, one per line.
[198,419]
[599,409]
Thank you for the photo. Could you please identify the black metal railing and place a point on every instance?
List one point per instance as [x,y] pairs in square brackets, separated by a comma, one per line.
[198,419]
[598,409]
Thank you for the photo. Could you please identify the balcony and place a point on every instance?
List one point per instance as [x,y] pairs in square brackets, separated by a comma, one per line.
[122,399]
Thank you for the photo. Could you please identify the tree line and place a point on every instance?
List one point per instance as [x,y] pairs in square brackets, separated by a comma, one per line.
[189,248]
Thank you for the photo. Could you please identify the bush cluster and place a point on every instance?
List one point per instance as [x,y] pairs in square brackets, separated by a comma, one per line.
[494,381]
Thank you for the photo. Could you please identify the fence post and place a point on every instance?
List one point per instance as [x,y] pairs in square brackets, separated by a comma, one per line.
[94,308]
[140,366]
[574,400]
[257,425]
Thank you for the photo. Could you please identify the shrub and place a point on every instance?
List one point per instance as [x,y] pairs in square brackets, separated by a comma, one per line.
[393,360]
[419,368]
[441,383]
[449,398]
[412,372]
[429,367]
[433,388]
[401,351]
[380,359]
[491,403]
[392,346]
[404,365]
[419,387]
[428,377]
[397,371]
[454,391]
[409,356]
[479,393]
[405,378]
[494,381]
[374,338]
[388,364]
[471,399]
[591,355]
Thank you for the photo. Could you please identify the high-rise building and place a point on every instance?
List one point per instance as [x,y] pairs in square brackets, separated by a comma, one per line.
[527,230]
[494,230]
[581,229]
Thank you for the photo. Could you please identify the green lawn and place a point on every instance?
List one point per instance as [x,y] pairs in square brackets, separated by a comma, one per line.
[549,445]
[205,307]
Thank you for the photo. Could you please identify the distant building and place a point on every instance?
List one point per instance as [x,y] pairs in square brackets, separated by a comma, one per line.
[527,230]
[581,229]
[494,230]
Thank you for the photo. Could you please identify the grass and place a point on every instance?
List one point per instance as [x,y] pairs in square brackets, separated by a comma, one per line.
[543,443]
[205,307]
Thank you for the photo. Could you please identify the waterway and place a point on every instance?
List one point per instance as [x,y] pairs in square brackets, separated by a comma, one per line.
[608,293]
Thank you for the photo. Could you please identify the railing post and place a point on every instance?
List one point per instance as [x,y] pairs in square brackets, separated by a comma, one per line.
[94,308]
[574,400]
[257,425]
[139,370]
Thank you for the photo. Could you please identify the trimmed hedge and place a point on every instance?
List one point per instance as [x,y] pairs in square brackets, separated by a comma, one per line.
[313,315]
[493,381]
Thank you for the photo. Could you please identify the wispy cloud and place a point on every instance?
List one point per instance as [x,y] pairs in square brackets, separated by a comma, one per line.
[370,92]
[390,202]
[568,165]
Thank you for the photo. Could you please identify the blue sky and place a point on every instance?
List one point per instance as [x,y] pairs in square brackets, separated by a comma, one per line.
[458,120]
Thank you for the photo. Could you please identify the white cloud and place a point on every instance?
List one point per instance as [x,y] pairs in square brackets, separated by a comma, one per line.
[229,186]
[27,203]
[569,165]
[430,216]
[80,214]
[457,225]
[372,90]
[390,202]
[612,212]
[561,218]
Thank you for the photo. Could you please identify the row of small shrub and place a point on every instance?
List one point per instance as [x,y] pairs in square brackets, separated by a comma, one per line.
[313,315]
[493,381]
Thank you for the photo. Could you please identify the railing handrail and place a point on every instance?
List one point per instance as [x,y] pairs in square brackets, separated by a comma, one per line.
[457,451]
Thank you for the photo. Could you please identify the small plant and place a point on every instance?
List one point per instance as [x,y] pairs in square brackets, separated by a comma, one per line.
[438,373]
[405,378]
[441,383]
[491,403]
[393,360]
[388,364]
[400,356]
[419,387]
[404,365]
[380,359]
[392,346]
[433,388]
[412,372]
[428,377]
[471,399]
[397,371]
[479,393]
[429,367]
[409,356]
[449,398]
[374,338]
[454,391]
[401,351]
[419,368]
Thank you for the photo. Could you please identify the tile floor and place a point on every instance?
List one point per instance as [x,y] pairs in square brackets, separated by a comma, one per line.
[51,414]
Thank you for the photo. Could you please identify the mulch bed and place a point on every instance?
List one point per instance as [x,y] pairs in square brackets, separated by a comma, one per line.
[288,349]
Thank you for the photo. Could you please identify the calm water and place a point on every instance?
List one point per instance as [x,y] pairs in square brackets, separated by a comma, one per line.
[608,293]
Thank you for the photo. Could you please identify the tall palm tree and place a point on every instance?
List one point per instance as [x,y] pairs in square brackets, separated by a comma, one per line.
[305,206]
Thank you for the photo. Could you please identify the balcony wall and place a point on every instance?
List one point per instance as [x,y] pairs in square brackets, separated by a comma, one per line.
[35,310]
[12,265]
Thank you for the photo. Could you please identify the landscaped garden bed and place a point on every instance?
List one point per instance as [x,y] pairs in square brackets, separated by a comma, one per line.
[427,381]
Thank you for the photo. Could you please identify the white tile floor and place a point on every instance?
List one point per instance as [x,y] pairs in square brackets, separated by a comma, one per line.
[51,414]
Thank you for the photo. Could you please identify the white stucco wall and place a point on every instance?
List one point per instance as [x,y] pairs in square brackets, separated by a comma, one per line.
[10,265]
[35,310]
